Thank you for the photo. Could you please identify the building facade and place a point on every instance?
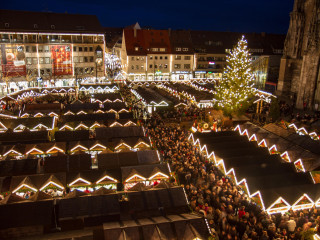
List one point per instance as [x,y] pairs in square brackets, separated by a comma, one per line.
[50,49]
[148,54]
[299,70]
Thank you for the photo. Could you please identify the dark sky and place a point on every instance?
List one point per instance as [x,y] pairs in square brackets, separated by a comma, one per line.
[271,16]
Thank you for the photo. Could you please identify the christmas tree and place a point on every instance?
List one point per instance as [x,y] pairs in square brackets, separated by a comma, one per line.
[235,90]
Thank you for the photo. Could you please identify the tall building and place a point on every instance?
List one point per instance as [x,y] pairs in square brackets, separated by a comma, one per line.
[299,71]
[46,49]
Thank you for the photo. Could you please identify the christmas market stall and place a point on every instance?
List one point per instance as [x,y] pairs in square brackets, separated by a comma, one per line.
[274,184]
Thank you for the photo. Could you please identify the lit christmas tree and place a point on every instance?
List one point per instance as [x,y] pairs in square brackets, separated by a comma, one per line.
[235,89]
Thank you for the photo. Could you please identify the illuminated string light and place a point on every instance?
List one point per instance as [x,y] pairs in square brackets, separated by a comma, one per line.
[236,86]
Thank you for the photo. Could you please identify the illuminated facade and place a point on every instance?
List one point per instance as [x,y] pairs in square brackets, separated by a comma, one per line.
[266,70]
[50,49]
[183,55]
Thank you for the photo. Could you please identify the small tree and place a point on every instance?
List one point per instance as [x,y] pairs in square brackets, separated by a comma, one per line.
[274,109]
[235,90]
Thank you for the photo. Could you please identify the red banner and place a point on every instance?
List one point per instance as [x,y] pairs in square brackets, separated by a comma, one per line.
[13,60]
[61,60]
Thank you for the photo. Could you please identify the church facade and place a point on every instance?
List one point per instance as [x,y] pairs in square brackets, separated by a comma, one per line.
[299,75]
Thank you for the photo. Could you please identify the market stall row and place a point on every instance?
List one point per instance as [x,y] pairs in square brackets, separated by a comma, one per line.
[87,180]
[77,212]
[265,177]
[302,151]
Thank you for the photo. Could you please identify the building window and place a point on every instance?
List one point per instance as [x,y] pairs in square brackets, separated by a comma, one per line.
[34,61]
[150,66]
[186,66]
[166,66]
[178,49]
[166,57]
[81,59]
[185,49]
[177,57]
[132,58]
[47,60]
[160,66]
[177,66]
[155,66]
[277,51]
[40,48]
[85,49]
[154,49]
[136,49]
[48,70]
[91,59]
[75,59]
[187,57]
[160,57]
[156,57]
[150,57]
[29,60]
[132,67]
[34,49]
[35,26]
[27,49]
[137,67]
[6,25]
[41,60]
[138,58]
[46,48]
[162,49]
[142,58]
[74,48]
[90,49]
[85,59]
[256,50]
[80,49]
[53,27]
[142,67]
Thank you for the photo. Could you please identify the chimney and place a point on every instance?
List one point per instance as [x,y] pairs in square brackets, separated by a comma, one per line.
[135,32]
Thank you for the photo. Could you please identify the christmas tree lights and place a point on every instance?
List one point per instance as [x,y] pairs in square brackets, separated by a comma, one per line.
[234,91]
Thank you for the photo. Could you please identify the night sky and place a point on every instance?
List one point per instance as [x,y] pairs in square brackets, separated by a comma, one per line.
[271,16]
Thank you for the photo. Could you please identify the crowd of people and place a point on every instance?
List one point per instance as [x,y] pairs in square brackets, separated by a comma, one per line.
[230,214]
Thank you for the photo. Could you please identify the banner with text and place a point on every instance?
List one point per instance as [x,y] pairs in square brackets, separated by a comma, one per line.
[61,60]
[13,60]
